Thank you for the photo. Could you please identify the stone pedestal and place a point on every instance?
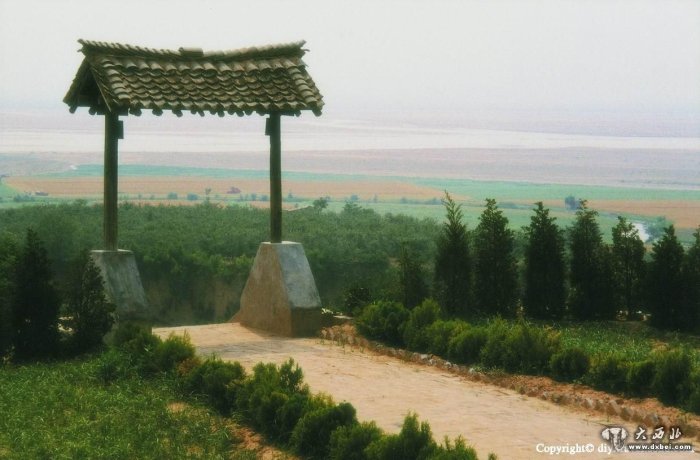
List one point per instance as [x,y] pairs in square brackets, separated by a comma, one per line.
[280,295]
[123,284]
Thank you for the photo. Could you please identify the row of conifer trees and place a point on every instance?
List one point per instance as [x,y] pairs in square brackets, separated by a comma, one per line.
[562,273]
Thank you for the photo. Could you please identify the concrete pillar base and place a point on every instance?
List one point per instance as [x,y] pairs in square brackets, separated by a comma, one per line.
[280,295]
[123,284]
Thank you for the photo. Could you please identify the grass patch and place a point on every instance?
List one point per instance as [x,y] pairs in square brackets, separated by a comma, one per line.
[61,410]
[633,341]
[7,192]
[505,191]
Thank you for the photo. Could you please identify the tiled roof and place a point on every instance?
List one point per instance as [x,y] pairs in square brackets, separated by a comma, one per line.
[124,78]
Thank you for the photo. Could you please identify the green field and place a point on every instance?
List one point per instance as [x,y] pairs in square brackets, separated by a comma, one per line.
[514,191]
[6,192]
[515,199]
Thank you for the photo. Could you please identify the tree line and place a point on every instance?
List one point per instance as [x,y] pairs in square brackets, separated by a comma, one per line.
[568,273]
[194,260]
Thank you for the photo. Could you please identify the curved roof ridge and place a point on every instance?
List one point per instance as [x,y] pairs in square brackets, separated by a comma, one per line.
[121,49]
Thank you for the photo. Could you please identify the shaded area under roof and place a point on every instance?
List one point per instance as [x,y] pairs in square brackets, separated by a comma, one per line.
[128,79]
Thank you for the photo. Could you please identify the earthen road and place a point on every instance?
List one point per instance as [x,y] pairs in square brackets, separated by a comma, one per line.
[385,389]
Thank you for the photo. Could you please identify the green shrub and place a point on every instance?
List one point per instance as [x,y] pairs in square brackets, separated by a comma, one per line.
[113,365]
[640,376]
[693,403]
[140,344]
[466,345]
[569,364]
[349,442]
[609,373]
[441,332]
[415,334]
[530,348]
[288,414]
[311,436]
[274,398]
[218,381]
[494,351]
[172,351]
[384,321]
[413,442]
[292,377]
[127,331]
[458,451]
[519,348]
[671,382]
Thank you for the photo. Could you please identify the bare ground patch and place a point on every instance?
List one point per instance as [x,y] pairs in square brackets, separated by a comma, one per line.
[683,213]
[341,189]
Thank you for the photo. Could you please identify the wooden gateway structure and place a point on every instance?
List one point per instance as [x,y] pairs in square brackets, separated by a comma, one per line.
[116,80]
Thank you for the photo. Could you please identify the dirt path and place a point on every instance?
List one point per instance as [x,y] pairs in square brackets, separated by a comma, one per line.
[385,389]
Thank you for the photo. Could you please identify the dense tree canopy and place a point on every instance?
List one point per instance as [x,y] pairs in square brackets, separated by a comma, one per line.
[194,260]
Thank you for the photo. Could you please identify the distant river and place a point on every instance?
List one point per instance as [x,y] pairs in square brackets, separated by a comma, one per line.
[36,141]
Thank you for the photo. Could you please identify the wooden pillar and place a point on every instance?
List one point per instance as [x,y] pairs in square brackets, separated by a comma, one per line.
[273,130]
[113,132]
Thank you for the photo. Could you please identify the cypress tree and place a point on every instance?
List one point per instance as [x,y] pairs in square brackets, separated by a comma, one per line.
[36,302]
[628,264]
[90,315]
[591,294]
[545,292]
[453,265]
[666,284]
[691,276]
[495,273]
[8,255]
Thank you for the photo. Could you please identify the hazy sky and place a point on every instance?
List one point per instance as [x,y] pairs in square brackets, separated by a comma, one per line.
[641,56]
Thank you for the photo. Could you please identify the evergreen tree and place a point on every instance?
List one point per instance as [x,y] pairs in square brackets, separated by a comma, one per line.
[591,294]
[495,273]
[691,277]
[666,284]
[628,264]
[89,314]
[453,266]
[545,292]
[412,278]
[36,303]
[8,255]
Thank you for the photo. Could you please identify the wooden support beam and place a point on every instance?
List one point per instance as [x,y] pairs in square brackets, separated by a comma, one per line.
[113,132]
[273,130]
